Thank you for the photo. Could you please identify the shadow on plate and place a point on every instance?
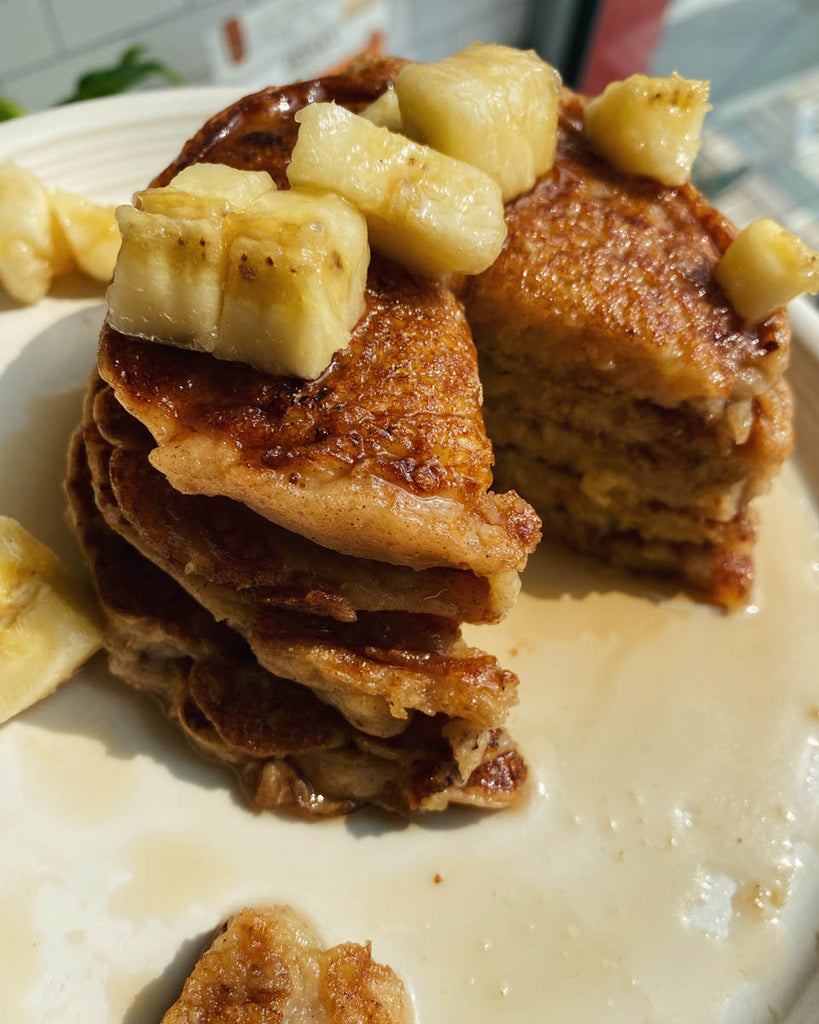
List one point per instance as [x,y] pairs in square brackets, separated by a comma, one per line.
[556,572]
[40,402]
[368,823]
[158,996]
[128,724]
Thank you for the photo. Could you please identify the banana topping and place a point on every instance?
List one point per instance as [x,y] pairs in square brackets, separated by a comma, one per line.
[220,262]
[650,126]
[426,210]
[47,630]
[170,273]
[764,268]
[385,112]
[493,107]
[297,269]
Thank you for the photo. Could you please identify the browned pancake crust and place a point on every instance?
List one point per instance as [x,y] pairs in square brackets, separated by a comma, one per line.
[375,668]
[258,132]
[287,745]
[268,967]
[226,543]
[608,279]
[394,421]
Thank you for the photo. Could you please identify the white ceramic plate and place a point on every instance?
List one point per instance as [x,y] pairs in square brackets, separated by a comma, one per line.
[663,871]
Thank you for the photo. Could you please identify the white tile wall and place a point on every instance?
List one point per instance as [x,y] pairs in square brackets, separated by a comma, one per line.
[166,41]
[84,22]
[506,23]
[24,35]
[46,45]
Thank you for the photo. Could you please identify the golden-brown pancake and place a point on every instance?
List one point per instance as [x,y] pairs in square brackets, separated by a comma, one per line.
[292,750]
[624,396]
[385,455]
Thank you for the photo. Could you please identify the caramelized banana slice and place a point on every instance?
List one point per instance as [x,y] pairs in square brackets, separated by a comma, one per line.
[90,231]
[171,268]
[47,630]
[650,126]
[425,210]
[764,268]
[297,269]
[493,107]
[385,112]
[32,247]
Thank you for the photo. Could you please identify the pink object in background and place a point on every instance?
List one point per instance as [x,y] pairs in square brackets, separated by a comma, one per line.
[622,41]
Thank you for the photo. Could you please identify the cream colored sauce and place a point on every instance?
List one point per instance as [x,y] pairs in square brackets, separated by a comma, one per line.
[169,873]
[20,959]
[649,878]
[677,754]
[65,775]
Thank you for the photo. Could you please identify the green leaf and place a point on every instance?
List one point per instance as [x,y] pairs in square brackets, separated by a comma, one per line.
[9,109]
[129,71]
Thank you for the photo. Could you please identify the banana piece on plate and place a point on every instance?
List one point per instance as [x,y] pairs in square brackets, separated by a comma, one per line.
[493,107]
[33,249]
[650,126]
[47,628]
[432,213]
[764,268]
[170,270]
[90,232]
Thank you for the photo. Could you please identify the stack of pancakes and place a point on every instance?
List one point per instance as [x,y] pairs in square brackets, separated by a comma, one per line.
[287,563]
[624,396]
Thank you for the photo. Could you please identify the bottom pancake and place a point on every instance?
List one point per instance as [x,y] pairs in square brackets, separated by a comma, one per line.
[291,750]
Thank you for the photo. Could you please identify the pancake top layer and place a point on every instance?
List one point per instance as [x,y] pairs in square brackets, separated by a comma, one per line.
[385,455]
[258,132]
[607,279]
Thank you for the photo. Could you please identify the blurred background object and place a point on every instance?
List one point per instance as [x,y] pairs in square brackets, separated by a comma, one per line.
[761,149]
[46,45]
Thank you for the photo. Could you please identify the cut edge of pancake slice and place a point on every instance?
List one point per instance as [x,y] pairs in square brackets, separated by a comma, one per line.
[625,397]
[291,750]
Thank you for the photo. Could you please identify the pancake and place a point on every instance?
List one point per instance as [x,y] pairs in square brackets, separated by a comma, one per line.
[375,669]
[226,543]
[385,455]
[624,396]
[292,751]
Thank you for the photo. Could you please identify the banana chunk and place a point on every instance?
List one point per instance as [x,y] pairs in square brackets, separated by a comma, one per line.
[493,107]
[47,629]
[223,188]
[170,273]
[221,262]
[90,232]
[764,268]
[294,290]
[650,126]
[32,248]
[428,211]
[385,112]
